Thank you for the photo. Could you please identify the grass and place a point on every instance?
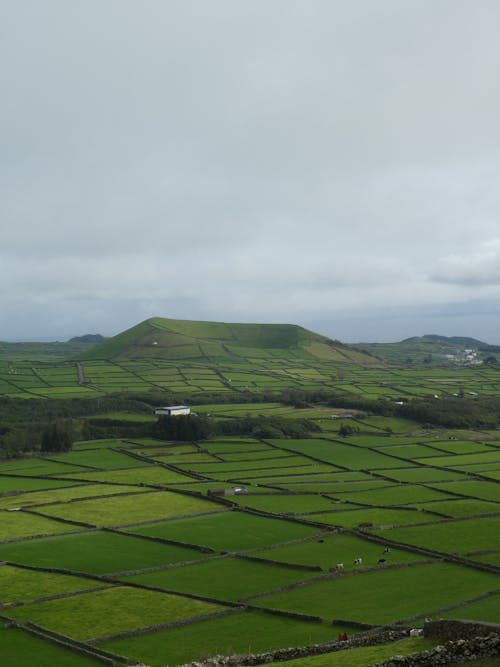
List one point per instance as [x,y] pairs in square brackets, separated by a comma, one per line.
[373,516]
[375,597]
[18,584]
[459,536]
[21,524]
[393,495]
[482,490]
[19,484]
[236,633]
[67,494]
[224,578]
[227,531]
[103,458]
[462,508]
[21,649]
[288,503]
[485,610]
[326,552]
[119,510]
[361,657]
[95,553]
[421,474]
[110,611]
[338,453]
[145,475]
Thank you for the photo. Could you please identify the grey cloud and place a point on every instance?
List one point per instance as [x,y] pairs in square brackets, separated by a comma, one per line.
[245,160]
[480,267]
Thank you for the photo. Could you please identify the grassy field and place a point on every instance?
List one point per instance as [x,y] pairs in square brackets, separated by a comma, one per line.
[311,503]
[20,649]
[326,552]
[127,509]
[227,531]
[359,598]
[224,578]
[110,611]
[239,632]
[95,553]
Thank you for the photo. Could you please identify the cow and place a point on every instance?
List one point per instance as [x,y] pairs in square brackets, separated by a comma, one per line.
[339,566]
[358,561]
[382,560]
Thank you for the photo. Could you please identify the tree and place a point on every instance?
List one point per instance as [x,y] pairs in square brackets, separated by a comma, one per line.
[55,438]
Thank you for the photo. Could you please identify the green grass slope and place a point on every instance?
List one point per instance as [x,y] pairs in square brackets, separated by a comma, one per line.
[160,338]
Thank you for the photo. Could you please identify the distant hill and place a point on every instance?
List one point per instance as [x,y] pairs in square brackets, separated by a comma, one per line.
[458,341]
[87,338]
[160,338]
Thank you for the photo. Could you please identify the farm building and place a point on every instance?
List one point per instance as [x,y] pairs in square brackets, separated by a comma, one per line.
[173,410]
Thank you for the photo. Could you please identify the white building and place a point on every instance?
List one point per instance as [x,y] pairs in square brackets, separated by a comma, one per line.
[173,410]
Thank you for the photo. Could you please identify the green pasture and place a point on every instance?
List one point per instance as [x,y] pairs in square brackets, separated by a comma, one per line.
[404,494]
[384,439]
[21,649]
[459,536]
[381,517]
[395,424]
[462,446]
[38,467]
[226,531]
[120,510]
[338,453]
[462,508]
[235,633]
[486,610]
[490,558]
[186,460]
[495,474]
[375,597]
[370,484]
[421,474]
[95,553]
[295,480]
[9,485]
[477,489]
[263,455]
[254,465]
[269,475]
[409,451]
[21,524]
[110,611]
[154,475]
[326,551]
[361,657]
[492,456]
[103,458]
[157,449]
[482,468]
[18,584]
[65,494]
[223,578]
[285,504]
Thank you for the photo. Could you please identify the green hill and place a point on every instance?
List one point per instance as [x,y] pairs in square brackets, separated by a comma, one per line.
[160,338]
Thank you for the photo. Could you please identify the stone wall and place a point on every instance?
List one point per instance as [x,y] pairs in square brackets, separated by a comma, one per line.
[460,651]
[449,630]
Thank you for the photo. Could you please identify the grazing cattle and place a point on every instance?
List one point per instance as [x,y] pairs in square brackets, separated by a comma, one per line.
[358,561]
[339,566]
[382,560]
[387,550]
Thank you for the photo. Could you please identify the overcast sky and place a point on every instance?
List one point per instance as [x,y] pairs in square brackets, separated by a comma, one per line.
[329,163]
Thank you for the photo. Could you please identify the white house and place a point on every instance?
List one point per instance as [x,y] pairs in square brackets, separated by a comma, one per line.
[173,410]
